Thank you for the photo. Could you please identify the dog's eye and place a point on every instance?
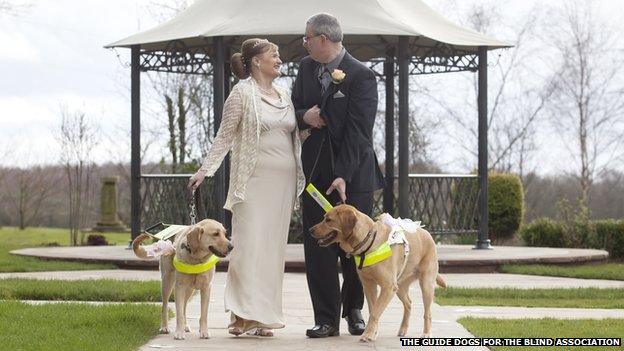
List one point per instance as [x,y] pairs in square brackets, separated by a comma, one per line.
[215,234]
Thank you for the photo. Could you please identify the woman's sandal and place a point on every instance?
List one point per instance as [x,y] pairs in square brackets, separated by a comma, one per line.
[236,328]
[247,326]
[265,332]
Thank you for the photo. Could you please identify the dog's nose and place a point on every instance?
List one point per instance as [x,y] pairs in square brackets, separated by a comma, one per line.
[230,247]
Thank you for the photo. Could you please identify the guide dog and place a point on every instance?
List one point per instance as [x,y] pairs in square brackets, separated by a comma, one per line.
[358,234]
[194,246]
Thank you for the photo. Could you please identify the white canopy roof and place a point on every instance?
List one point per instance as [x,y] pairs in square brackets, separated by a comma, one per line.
[369,26]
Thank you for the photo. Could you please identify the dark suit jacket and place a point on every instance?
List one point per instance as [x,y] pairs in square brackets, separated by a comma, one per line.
[349,125]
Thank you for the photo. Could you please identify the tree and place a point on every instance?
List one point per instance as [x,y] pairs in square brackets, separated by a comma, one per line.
[77,137]
[185,100]
[25,192]
[588,103]
[517,93]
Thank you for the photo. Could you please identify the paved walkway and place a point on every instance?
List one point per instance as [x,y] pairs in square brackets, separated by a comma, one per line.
[299,316]
[452,258]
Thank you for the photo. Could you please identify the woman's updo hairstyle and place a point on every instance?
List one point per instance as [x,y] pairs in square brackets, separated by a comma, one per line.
[241,61]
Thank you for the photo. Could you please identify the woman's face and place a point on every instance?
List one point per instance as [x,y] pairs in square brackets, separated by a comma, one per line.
[269,63]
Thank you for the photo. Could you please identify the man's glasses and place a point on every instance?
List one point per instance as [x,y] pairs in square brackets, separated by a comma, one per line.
[306,39]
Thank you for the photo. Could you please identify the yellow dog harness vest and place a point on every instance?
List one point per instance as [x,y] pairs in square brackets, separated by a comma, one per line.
[195,268]
[380,254]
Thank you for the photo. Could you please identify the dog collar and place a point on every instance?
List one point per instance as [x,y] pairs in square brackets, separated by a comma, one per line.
[380,254]
[195,268]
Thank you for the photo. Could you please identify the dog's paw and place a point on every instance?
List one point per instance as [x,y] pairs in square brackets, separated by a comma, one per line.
[178,336]
[163,330]
[422,336]
[204,335]
[402,332]
[368,337]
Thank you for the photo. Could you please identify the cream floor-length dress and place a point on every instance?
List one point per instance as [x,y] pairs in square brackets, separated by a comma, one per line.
[260,223]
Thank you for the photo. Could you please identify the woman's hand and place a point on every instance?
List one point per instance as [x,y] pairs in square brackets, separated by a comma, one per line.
[196,180]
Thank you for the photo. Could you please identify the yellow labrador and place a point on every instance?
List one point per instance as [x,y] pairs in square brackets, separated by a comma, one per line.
[196,245]
[356,233]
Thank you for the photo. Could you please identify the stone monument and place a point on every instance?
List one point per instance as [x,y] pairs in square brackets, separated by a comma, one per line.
[109,221]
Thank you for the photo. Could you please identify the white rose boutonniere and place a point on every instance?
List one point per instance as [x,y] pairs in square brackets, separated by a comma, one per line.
[338,76]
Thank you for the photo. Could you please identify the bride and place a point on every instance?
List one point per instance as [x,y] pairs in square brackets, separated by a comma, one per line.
[259,127]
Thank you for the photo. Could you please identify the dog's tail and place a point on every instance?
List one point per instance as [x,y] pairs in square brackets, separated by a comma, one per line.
[136,245]
[440,281]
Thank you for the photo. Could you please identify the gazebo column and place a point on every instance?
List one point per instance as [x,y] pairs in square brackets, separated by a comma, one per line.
[403,59]
[218,82]
[483,240]
[135,144]
[226,164]
[388,195]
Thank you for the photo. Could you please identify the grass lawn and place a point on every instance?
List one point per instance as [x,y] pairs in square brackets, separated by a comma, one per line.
[53,327]
[571,298]
[80,290]
[13,239]
[610,271]
[545,328]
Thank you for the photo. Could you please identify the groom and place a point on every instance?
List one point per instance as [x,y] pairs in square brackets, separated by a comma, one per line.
[335,98]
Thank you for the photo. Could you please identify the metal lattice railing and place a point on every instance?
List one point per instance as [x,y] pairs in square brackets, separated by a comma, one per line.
[445,204]
[165,198]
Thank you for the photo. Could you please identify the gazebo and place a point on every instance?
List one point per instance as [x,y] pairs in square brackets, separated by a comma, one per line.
[397,38]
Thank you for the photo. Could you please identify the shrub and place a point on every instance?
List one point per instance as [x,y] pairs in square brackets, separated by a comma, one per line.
[543,232]
[505,205]
[610,236]
[603,234]
[96,240]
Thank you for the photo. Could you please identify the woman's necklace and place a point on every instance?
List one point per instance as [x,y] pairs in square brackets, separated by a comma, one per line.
[268,92]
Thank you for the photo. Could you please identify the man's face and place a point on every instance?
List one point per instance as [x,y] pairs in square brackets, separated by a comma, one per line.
[314,43]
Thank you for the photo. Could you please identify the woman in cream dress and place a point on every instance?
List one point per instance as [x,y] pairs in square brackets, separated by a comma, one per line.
[260,129]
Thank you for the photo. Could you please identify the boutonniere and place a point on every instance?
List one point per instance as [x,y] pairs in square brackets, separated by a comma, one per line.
[338,76]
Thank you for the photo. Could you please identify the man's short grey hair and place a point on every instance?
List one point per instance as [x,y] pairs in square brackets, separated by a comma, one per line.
[324,23]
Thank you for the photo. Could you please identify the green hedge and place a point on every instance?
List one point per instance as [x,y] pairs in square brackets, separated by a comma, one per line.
[603,234]
[543,232]
[505,205]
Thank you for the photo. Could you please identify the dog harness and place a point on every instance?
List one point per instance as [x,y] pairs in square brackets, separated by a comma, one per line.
[380,254]
[397,237]
[195,268]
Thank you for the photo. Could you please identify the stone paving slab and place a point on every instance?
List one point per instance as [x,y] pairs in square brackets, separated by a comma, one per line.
[452,258]
[299,314]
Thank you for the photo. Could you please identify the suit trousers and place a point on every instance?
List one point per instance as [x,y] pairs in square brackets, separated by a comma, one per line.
[321,265]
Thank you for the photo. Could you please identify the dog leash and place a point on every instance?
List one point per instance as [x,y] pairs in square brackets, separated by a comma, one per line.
[192,212]
[318,155]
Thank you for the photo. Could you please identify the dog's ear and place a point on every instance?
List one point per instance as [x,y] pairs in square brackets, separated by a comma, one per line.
[194,238]
[347,219]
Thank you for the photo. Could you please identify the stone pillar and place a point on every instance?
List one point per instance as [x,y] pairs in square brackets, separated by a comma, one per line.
[109,221]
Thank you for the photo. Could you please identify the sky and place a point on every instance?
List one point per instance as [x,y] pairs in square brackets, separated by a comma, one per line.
[53,56]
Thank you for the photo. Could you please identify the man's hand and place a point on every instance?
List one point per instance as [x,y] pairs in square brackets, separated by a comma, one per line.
[313,118]
[340,185]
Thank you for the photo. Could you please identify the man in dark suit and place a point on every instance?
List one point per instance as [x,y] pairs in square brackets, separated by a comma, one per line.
[335,98]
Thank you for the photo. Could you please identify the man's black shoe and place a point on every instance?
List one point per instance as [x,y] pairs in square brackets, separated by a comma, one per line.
[356,322]
[322,331]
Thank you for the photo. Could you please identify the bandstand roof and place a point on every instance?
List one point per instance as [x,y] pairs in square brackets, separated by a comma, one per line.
[370,27]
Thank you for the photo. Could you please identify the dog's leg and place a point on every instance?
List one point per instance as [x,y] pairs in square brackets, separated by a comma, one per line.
[370,292]
[387,291]
[427,286]
[189,294]
[180,303]
[203,319]
[403,294]
[167,275]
